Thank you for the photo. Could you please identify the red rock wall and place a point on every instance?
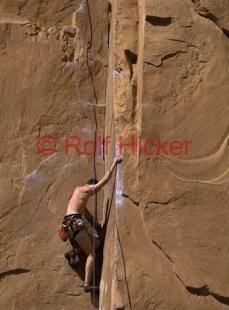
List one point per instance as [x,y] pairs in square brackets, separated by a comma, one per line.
[168,79]
[166,242]
[46,89]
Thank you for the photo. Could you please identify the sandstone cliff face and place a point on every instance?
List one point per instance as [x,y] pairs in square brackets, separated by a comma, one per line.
[166,242]
[168,78]
[46,89]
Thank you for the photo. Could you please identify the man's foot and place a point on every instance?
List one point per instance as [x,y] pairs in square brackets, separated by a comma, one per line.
[89,288]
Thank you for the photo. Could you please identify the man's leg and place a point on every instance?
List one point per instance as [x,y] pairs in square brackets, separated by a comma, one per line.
[86,245]
[89,269]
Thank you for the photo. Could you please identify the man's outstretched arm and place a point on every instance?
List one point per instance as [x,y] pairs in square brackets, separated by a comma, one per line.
[107,176]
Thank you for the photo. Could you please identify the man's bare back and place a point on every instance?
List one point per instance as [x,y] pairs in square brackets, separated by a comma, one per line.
[79,199]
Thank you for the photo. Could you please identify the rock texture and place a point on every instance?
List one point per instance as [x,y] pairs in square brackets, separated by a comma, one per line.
[166,215]
[168,78]
[46,89]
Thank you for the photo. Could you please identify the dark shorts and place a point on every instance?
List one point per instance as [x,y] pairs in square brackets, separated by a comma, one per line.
[91,230]
[79,224]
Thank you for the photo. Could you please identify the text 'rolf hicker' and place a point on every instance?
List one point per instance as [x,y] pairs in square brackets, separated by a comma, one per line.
[48,145]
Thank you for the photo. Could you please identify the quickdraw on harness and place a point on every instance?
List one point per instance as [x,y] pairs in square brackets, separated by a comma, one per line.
[70,227]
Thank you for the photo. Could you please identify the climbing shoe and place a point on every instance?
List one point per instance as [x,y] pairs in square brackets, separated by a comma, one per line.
[90,289]
[72,258]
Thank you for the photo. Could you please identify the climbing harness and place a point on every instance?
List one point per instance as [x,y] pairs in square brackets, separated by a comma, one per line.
[72,224]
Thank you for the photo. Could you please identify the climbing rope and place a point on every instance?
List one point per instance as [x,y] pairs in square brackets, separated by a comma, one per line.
[89,47]
[109,206]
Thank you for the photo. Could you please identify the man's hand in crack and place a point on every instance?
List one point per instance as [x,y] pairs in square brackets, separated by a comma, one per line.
[118,160]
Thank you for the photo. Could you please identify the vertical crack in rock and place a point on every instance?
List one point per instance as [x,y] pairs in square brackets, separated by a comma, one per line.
[124,267]
[132,59]
[109,9]
[159,21]
[119,203]
[89,48]
[109,12]
[119,185]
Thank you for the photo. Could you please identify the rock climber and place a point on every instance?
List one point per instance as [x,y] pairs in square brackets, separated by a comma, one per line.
[74,226]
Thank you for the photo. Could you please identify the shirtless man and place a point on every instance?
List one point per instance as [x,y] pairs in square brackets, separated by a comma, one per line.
[76,208]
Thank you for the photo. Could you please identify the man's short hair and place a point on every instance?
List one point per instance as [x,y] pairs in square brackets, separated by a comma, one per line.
[92,181]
